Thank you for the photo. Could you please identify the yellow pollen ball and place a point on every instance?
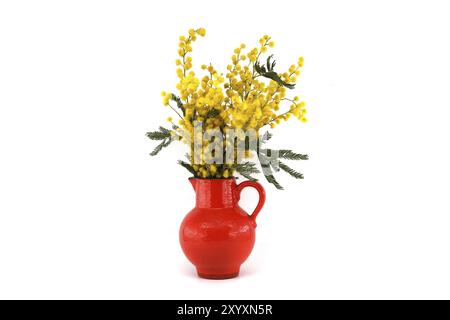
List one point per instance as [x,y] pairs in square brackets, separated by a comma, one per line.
[201,32]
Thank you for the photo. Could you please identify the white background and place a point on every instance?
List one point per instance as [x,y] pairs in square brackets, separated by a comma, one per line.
[85,212]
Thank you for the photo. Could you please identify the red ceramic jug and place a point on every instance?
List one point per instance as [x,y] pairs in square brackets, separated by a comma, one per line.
[217,236]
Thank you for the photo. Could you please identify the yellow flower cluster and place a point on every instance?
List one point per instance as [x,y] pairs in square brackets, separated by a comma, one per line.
[242,98]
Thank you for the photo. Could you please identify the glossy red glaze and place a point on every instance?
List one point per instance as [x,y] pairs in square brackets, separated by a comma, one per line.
[217,235]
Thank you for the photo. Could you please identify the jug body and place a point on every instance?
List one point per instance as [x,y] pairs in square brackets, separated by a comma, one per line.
[217,236]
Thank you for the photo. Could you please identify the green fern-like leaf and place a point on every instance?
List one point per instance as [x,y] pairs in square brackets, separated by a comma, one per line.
[247,166]
[157,149]
[290,155]
[164,130]
[291,171]
[271,74]
[246,169]
[161,134]
[247,176]
[178,102]
[160,146]
[269,167]
[187,166]
[270,66]
[267,171]
[271,179]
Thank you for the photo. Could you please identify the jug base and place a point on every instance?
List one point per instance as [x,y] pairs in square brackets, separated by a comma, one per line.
[217,275]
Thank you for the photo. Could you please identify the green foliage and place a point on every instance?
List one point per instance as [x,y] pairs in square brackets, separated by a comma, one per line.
[187,166]
[267,71]
[178,101]
[267,171]
[212,113]
[160,146]
[292,172]
[246,169]
[270,166]
[161,134]
[290,155]
[271,179]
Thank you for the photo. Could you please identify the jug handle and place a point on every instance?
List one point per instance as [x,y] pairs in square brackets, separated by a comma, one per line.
[261,192]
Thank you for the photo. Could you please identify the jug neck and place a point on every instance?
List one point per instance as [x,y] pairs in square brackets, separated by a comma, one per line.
[215,193]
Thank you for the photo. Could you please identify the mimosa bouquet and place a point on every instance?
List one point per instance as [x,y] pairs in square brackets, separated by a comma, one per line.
[220,116]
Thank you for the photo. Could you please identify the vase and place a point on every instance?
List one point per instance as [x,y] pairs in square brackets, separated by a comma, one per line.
[217,235]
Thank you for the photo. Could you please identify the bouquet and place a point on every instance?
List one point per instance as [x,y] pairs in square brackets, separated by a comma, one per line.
[220,116]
